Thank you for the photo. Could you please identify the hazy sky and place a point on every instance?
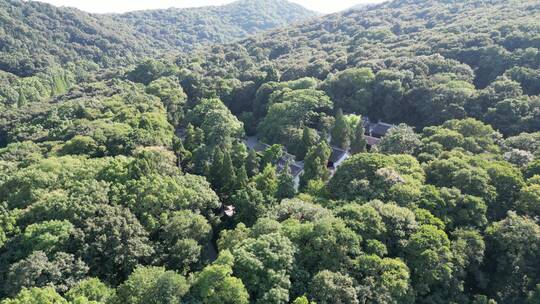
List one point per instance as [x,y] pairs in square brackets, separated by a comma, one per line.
[118,6]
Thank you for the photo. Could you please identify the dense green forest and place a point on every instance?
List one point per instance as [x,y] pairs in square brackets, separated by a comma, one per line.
[35,36]
[126,175]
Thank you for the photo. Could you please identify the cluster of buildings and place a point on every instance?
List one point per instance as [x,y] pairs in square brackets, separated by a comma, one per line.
[374,133]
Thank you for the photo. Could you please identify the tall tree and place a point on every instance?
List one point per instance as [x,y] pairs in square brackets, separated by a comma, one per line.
[315,164]
[241,178]
[286,187]
[216,169]
[341,132]
[252,163]
[216,285]
[359,143]
[309,139]
[227,174]
[400,139]
[266,181]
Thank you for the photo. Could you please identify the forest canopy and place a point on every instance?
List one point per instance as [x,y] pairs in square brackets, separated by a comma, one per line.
[384,154]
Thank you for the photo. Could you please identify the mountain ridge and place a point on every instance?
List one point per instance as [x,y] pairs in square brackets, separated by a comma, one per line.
[36,35]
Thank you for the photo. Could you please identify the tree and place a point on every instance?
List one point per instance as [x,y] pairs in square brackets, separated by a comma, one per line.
[183,237]
[272,155]
[49,236]
[315,164]
[297,209]
[440,99]
[528,202]
[112,242]
[290,112]
[61,272]
[382,280]
[351,90]
[147,199]
[250,204]
[332,287]
[309,139]
[512,247]
[286,187]
[400,224]
[358,143]
[368,176]
[454,208]
[327,244]
[45,295]
[215,284]
[216,178]
[429,256]
[242,178]
[172,96]
[147,71]
[469,249]
[267,181]
[400,139]
[363,220]
[252,163]
[264,264]
[91,289]
[227,175]
[152,285]
[341,132]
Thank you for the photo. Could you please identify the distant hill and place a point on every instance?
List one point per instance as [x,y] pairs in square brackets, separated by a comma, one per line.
[185,28]
[489,36]
[422,49]
[34,35]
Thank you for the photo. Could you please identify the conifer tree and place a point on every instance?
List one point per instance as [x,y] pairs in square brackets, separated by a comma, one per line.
[341,133]
[315,164]
[182,155]
[194,137]
[309,139]
[252,163]
[285,187]
[359,142]
[227,174]
[216,168]
[266,181]
[242,178]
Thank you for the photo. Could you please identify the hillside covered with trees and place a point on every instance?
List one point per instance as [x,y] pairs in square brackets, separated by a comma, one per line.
[140,183]
[35,35]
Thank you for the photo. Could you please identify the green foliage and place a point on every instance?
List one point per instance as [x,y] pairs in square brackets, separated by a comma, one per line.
[513,241]
[315,164]
[61,272]
[290,111]
[91,289]
[358,142]
[341,132]
[46,236]
[126,171]
[45,295]
[183,237]
[215,283]
[428,255]
[112,40]
[286,187]
[113,231]
[264,265]
[330,287]
[351,89]
[382,280]
[376,176]
[400,140]
[152,285]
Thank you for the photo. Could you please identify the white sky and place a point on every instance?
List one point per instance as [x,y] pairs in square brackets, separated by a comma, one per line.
[119,6]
